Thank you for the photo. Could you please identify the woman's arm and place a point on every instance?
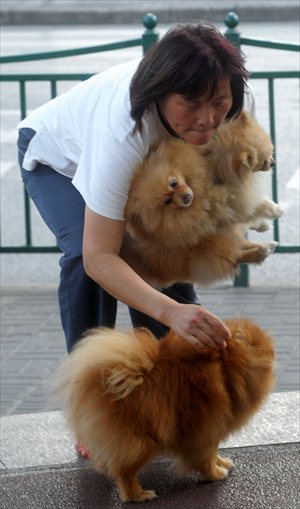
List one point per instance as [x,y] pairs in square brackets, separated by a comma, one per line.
[101,245]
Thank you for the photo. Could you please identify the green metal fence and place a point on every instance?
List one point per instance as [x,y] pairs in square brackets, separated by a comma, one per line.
[149,37]
[234,36]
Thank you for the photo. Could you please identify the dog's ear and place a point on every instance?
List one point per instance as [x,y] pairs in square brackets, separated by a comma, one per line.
[205,151]
[245,161]
[154,146]
[244,119]
[152,150]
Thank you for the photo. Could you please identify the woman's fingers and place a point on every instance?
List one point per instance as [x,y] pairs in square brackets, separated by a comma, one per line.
[212,326]
[201,340]
[202,328]
[217,325]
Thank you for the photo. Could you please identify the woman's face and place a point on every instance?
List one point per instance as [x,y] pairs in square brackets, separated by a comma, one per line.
[196,120]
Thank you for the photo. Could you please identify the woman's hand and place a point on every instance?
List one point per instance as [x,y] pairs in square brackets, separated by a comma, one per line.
[198,326]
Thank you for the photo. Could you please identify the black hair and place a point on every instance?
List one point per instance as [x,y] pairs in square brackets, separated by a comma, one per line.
[189,60]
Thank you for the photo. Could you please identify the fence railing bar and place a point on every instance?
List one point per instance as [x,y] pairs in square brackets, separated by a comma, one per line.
[53,88]
[27,218]
[273,138]
[27,210]
[9,59]
[84,76]
[262,43]
[22,93]
[275,74]
[288,249]
[30,249]
[46,77]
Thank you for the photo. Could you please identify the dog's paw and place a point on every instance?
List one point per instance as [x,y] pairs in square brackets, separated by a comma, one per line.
[264,251]
[271,246]
[225,462]
[216,474]
[277,212]
[267,249]
[141,496]
[263,226]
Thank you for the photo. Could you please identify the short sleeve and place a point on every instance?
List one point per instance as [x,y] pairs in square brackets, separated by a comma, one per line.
[104,172]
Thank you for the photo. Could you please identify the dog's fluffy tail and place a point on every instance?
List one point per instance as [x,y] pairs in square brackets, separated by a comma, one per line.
[115,360]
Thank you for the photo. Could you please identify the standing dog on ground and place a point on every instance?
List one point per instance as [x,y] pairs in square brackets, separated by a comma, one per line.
[129,397]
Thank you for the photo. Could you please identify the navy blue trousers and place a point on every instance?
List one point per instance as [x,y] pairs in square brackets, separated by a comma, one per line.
[83,303]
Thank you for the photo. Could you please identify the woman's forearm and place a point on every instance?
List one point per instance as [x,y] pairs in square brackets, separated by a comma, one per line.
[102,241]
[196,324]
[118,279]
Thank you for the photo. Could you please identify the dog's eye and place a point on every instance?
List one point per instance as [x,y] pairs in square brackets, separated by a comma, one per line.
[173,182]
[168,201]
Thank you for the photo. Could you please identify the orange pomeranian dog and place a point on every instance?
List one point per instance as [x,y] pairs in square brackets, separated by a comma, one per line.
[186,205]
[129,397]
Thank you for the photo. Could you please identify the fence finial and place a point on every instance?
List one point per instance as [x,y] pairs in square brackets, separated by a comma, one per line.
[232,20]
[150,36]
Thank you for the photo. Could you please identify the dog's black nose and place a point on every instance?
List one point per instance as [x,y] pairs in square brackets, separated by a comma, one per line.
[187,198]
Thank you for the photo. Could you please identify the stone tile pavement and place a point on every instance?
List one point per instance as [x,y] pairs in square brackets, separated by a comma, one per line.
[32,343]
[39,467]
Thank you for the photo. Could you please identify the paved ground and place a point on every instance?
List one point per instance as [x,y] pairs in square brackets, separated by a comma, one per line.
[38,464]
[18,12]
[32,342]
[39,467]
[271,468]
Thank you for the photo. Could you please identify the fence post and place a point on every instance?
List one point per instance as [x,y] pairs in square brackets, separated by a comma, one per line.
[233,35]
[150,35]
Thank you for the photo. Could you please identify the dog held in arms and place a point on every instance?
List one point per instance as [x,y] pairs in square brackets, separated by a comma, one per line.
[189,207]
[129,397]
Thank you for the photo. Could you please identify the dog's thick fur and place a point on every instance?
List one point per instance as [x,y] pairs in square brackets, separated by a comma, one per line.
[129,397]
[186,203]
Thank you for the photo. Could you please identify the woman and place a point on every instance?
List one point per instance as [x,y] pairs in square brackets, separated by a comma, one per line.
[77,154]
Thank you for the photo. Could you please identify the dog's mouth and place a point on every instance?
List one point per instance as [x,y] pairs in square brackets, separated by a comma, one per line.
[267,164]
[177,201]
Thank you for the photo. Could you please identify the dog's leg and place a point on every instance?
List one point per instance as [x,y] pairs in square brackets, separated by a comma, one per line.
[126,478]
[267,209]
[260,226]
[215,259]
[256,253]
[204,459]
[130,488]
[210,467]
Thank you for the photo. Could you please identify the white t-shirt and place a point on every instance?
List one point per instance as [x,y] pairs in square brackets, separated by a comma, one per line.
[86,134]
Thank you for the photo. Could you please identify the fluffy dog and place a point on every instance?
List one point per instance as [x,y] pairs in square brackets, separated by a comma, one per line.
[129,397]
[185,203]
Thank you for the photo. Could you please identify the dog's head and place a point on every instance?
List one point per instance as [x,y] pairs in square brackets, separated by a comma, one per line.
[165,180]
[254,146]
[165,193]
[239,148]
[166,160]
[177,193]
